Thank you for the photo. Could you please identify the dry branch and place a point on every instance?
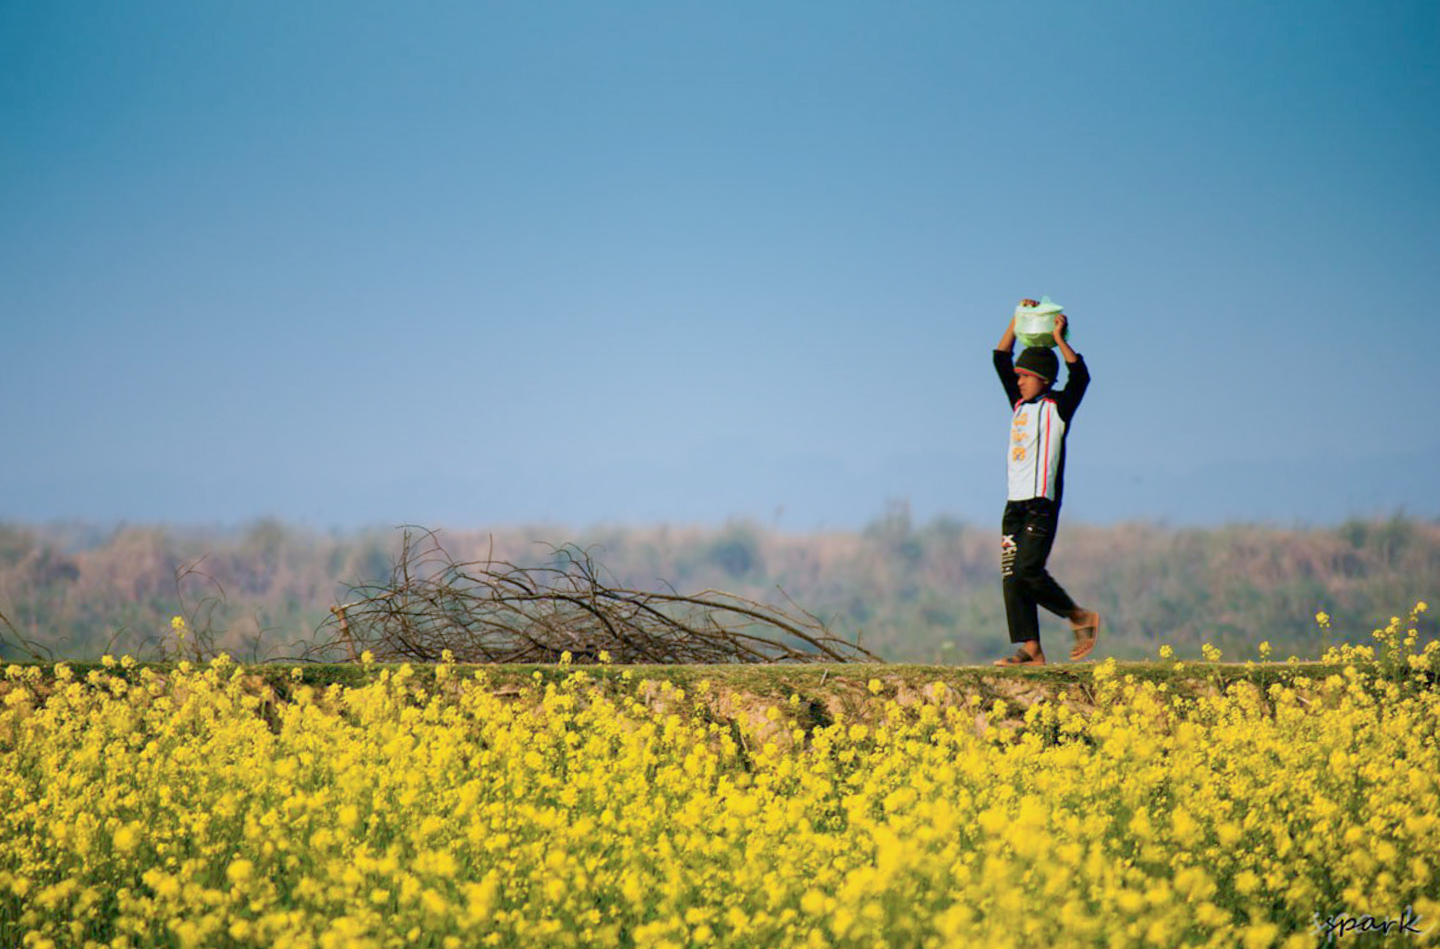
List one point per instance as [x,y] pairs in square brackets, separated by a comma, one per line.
[494,611]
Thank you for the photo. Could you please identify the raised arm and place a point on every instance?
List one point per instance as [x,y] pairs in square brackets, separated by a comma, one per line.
[1077,374]
[1007,342]
[1005,364]
[1060,323]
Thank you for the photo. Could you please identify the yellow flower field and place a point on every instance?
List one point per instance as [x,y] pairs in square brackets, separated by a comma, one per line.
[202,807]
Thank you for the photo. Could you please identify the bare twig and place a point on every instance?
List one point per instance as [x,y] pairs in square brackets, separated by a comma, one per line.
[496,611]
[38,651]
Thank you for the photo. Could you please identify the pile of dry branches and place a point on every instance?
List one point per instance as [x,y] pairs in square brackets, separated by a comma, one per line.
[496,611]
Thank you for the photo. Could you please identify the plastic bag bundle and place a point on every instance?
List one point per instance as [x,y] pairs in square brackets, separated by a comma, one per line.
[1035,325]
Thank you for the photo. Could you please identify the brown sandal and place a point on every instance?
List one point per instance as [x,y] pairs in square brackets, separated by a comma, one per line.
[1086,635]
[1021,658]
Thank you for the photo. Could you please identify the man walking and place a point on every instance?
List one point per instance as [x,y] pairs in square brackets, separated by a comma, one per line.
[1036,474]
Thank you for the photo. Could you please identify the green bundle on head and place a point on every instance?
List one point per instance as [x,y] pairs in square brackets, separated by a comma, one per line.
[1035,325]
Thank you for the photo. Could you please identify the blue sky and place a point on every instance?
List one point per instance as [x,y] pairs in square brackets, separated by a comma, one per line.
[466,264]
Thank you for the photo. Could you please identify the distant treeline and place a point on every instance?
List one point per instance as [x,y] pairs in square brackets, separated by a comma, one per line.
[911,593]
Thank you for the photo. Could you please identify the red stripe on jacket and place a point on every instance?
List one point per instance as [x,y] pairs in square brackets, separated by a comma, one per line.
[1045,456]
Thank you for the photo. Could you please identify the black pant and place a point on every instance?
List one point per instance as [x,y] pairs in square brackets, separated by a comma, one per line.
[1028,533]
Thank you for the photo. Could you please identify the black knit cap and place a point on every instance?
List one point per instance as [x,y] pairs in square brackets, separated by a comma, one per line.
[1040,361]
